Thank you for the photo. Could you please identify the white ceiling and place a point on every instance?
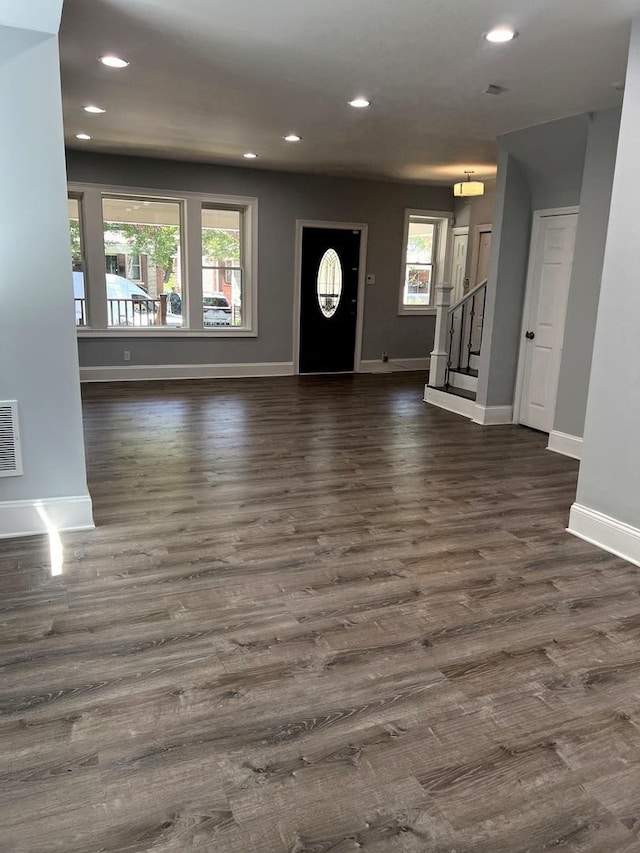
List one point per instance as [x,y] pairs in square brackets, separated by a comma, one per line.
[210,80]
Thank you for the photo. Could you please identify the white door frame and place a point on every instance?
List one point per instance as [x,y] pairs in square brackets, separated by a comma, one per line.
[362,273]
[538,216]
[457,231]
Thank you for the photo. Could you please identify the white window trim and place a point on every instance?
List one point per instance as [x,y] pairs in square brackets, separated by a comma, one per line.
[93,250]
[443,220]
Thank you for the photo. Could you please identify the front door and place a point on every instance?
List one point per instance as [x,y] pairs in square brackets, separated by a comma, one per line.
[552,258]
[328,299]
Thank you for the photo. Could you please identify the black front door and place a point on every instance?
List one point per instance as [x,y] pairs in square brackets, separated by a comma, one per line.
[328,299]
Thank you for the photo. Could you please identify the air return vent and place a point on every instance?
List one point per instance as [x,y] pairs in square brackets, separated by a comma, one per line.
[10,456]
[495,89]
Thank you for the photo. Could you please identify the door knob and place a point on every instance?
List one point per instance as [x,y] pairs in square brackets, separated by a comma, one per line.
[530,336]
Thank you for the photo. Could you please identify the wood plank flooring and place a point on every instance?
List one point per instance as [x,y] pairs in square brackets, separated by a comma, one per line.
[317,615]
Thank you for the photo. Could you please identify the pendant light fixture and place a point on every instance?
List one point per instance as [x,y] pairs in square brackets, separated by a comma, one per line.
[468,187]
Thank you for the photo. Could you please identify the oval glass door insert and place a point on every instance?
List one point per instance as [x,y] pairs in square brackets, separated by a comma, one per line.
[329,283]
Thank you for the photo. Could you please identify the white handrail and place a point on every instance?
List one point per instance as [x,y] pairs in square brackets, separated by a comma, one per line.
[468,295]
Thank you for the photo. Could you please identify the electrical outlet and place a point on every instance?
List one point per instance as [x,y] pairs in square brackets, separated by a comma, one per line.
[127,355]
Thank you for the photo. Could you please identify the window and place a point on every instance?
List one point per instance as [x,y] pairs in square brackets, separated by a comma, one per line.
[133,226]
[423,261]
[329,283]
[421,239]
[223,295]
[163,263]
[77,259]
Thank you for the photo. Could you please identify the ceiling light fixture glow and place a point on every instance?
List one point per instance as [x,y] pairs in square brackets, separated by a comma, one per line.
[292,137]
[92,108]
[112,61]
[359,103]
[467,188]
[500,35]
[82,136]
[250,155]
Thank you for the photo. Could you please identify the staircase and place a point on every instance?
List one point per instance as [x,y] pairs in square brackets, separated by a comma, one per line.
[460,330]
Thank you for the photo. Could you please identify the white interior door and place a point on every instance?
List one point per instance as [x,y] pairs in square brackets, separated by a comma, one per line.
[545,310]
[484,250]
[459,264]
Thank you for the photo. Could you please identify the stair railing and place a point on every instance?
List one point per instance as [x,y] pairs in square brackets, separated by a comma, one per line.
[465,322]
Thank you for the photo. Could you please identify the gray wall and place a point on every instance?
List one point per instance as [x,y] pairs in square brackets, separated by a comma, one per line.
[283,198]
[539,167]
[38,355]
[475,211]
[552,158]
[609,479]
[505,289]
[584,291]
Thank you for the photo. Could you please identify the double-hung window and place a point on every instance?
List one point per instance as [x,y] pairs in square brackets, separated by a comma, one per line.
[423,260]
[223,296]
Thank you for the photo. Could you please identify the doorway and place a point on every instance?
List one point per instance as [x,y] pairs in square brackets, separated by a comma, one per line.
[481,254]
[550,262]
[459,263]
[331,277]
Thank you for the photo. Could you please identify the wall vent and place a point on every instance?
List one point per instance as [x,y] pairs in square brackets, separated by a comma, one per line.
[10,455]
[495,89]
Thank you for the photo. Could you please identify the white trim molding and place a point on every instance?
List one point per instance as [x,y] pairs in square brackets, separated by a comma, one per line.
[482,415]
[450,402]
[47,515]
[133,372]
[566,444]
[492,415]
[614,536]
[394,365]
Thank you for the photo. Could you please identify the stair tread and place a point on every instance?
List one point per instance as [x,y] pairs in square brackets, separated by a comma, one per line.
[458,392]
[465,371]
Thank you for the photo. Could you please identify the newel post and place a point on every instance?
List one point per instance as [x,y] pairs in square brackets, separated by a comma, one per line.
[440,354]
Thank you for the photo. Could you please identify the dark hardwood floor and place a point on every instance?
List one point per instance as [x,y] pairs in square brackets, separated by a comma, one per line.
[317,615]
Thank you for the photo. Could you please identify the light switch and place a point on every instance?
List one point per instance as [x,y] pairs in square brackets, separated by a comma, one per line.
[371,279]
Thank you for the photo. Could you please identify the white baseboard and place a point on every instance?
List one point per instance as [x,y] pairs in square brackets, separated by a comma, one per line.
[484,415]
[463,380]
[394,365]
[614,536]
[129,372]
[566,444]
[450,402]
[492,415]
[29,518]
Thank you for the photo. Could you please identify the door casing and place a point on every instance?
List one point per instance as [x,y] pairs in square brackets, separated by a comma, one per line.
[538,216]
[362,273]
[458,231]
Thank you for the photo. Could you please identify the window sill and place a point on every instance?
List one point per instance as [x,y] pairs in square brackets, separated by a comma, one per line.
[417,312]
[137,332]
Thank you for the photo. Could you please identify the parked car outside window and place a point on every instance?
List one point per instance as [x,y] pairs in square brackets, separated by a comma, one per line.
[216,310]
[122,297]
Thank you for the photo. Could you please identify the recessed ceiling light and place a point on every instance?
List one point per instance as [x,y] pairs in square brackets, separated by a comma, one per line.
[500,35]
[292,137]
[359,103]
[250,155]
[82,136]
[91,108]
[113,61]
